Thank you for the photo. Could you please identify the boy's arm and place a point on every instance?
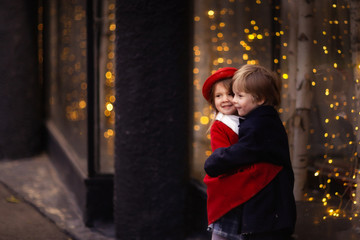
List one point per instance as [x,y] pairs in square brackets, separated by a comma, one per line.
[224,160]
[254,145]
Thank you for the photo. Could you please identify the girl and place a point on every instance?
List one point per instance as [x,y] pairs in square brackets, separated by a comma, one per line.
[228,191]
[271,213]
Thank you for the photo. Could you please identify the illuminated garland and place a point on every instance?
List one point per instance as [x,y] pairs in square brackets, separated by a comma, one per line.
[332,42]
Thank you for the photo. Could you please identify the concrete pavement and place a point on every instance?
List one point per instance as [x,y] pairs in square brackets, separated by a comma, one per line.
[45,206]
[20,221]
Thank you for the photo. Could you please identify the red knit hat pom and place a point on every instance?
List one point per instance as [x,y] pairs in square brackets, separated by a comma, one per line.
[222,73]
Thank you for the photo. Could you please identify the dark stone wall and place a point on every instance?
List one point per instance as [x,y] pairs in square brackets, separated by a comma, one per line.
[20,87]
[20,105]
[153,77]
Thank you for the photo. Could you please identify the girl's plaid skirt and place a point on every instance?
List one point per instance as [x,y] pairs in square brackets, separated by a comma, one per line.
[228,226]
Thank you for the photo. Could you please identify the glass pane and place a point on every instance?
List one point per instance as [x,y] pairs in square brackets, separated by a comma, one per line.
[66,75]
[107,85]
[333,120]
[232,33]
[330,190]
[227,33]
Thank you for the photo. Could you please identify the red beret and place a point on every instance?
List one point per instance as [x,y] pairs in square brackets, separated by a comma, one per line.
[222,73]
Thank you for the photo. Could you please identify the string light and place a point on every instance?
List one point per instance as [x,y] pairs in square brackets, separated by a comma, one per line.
[249,44]
[327,82]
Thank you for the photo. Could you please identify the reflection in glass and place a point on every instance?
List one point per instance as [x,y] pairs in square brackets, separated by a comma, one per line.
[227,33]
[107,86]
[66,74]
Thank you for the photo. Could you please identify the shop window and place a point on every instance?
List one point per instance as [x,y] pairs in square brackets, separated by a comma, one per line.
[106,65]
[80,98]
[66,75]
[273,34]
[227,34]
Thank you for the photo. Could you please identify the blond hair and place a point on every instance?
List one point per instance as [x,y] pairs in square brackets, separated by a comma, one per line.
[261,83]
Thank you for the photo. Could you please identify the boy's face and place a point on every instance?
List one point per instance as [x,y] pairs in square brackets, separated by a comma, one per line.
[223,99]
[245,103]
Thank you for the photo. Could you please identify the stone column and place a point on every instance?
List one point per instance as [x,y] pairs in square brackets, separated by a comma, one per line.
[153,77]
[20,86]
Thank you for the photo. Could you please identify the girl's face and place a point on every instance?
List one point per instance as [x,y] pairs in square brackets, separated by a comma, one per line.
[245,103]
[223,99]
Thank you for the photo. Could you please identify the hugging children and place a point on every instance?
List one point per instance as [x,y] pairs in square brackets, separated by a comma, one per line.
[249,175]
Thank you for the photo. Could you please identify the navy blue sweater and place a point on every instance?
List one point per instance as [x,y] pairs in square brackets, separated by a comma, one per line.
[262,138]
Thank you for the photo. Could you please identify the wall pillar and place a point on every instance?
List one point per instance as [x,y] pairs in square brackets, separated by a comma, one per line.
[153,77]
[20,87]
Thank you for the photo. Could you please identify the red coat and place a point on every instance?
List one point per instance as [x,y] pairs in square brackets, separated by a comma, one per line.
[226,192]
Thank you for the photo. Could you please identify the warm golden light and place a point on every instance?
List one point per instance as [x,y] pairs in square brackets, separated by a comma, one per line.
[109,106]
[112,27]
[82,104]
[204,120]
[108,74]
